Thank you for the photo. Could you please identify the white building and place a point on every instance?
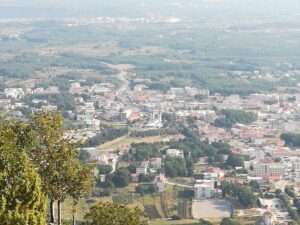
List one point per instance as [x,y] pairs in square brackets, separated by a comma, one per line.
[155,163]
[261,169]
[142,169]
[211,176]
[175,153]
[204,189]
[14,93]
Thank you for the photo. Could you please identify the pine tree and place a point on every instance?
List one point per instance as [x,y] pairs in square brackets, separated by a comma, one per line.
[21,199]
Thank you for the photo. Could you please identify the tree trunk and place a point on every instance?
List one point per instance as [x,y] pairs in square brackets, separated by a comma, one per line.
[74,221]
[58,212]
[52,219]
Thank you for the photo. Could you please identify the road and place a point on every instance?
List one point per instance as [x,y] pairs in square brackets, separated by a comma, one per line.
[122,77]
[179,185]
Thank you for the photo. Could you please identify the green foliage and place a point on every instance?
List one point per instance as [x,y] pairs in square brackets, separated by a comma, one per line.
[204,222]
[22,201]
[120,178]
[143,189]
[146,177]
[63,100]
[131,168]
[235,161]
[290,192]
[84,156]
[111,214]
[293,213]
[145,151]
[105,136]
[245,195]
[56,158]
[235,116]
[194,149]
[123,199]
[228,221]
[104,169]
[152,212]
[175,166]
[247,198]
[76,60]
[153,132]
[184,209]
[158,86]
[291,139]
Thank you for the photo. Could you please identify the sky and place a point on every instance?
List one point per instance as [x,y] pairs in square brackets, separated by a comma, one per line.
[139,8]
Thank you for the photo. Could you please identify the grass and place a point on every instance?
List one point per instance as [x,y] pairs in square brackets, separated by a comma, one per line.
[214,221]
[127,141]
[173,222]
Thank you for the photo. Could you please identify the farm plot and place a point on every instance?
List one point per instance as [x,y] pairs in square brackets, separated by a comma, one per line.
[152,212]
[123,199]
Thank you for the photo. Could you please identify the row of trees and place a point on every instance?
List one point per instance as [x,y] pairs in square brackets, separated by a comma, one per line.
[38,162]
[105,136]
[293,213]
[153,132]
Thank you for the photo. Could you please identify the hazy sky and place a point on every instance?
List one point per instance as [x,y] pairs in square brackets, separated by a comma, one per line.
[185,8]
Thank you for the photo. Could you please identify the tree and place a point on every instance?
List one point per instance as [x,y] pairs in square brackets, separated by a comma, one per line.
[175,167]
[22,201]
[146,178]
[278,192]
[228,221]
[111,214]
[290,192]
[146,189]
[291,139]
[235,161]
[254,184]
[235,116]
[131,168]
[79,185]
[104,169]
[56,158]
[246,197]
[226,189]
[84,156]
[121,178]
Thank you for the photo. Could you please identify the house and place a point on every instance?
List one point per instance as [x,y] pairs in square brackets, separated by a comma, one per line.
[204,189]
[142,169]
[155,163]
[211,176]
[160,182]
[175,153]
[134,177]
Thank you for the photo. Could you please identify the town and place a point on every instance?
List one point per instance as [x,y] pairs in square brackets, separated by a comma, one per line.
[149,112]
[234,156]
